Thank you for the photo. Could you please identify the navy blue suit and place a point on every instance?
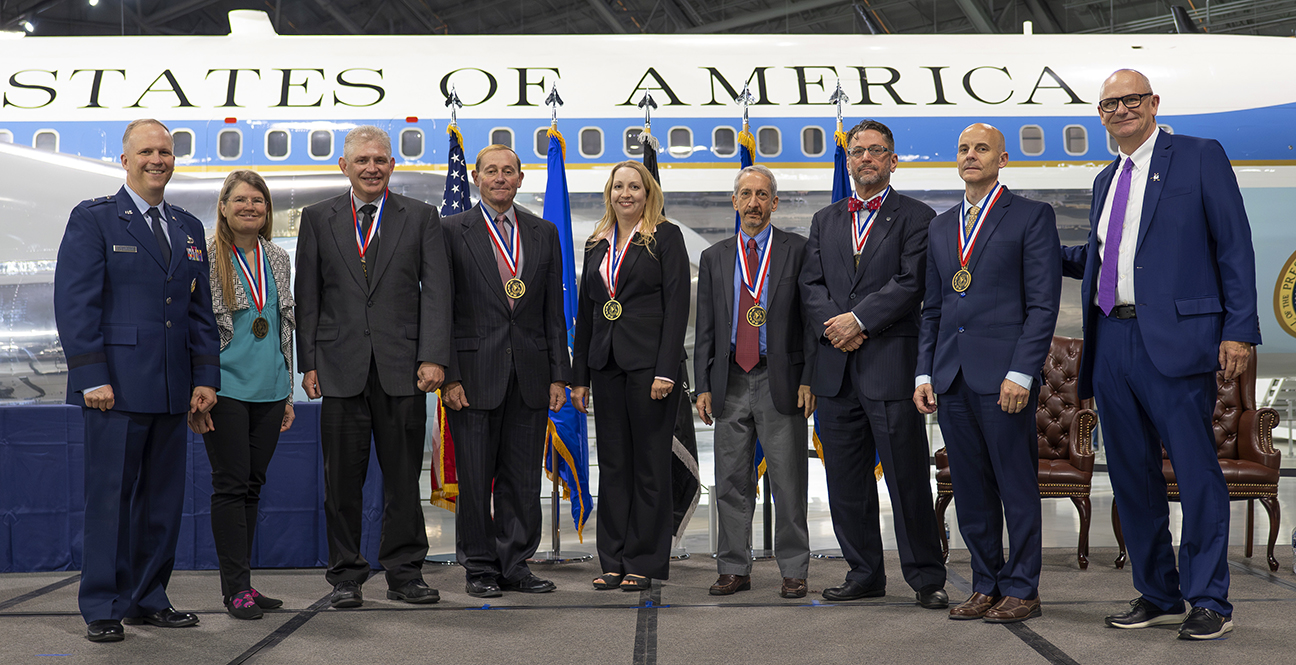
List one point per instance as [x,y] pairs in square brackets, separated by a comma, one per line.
[1154,376]
[968,343]
[146,328]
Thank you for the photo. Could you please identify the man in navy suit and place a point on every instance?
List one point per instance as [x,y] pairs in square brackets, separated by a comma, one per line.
[1170,298]
[861,285]
[133,306]
[993,287]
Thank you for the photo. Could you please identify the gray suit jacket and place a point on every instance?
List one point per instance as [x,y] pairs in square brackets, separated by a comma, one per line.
[789,343]
[400,318]
[488,336]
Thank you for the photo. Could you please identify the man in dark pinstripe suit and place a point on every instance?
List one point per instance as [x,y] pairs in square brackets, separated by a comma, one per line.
[510,363]
[861,285]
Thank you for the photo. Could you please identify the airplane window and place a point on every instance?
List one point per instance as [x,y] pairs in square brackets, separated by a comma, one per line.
[1166,128]
[46,139]
[724,142]
[502,136]
[633,147]
[812,141]
[769,143]
[411,143]
[1076,140]
[277,144]
[1112,146]
[681,141]
[591,142]
[182,143]
[321,144]
[6,136]
[542,142]
[229,144]
[1032,140]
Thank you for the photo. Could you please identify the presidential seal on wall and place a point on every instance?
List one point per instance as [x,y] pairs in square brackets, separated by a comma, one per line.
[1285,296]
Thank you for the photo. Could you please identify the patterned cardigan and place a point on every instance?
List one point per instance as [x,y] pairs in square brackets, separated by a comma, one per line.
[281,268]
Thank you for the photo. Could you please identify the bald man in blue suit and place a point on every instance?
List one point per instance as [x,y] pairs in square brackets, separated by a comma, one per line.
[1169,298]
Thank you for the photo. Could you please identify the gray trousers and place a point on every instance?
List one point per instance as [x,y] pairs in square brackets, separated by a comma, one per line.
[748,414]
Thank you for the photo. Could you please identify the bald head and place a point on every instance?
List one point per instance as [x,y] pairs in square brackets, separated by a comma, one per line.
[1124,79]
[1128,108]
[986,132]
[981,155]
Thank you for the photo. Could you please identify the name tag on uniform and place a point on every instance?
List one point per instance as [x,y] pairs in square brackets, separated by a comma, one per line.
[125,248]
[195,254]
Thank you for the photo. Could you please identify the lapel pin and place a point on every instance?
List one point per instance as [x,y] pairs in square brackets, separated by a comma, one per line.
[1156,177]
[130,212]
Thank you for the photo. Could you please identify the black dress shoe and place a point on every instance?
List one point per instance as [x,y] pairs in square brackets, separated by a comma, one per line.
[529,584]
[482,588]
[414,591]
[346,594]
[168,618]
[852,590]
[933,598]
[1204,624]
[1143,614]
[105,630]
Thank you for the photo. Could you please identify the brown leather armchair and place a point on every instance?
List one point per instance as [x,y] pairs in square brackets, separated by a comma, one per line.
[1065,426]
[1244,439]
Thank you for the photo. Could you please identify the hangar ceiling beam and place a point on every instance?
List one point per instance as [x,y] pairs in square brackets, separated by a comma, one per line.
[1044,20]
[340,16]
[175,11]
[417,13]
[977,14]
[761,16]
[601,8]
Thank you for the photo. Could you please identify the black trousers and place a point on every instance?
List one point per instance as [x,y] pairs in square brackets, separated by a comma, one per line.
[634,454]
[397,425]
[239,450]
[497,456]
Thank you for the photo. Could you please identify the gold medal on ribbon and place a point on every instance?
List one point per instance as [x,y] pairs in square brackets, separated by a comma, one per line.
[756,316]
[514,288]
[260,327]
[962,280]
[612,310]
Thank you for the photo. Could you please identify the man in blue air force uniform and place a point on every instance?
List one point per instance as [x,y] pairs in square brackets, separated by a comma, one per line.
[133,306]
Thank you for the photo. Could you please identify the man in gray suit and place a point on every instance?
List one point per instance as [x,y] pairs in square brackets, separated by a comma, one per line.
[373,336]
[754,380]
[862,284]
[510,363]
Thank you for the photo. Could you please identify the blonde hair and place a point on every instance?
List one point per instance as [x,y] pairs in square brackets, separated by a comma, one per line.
[496,147]
[223,257]
[652,214]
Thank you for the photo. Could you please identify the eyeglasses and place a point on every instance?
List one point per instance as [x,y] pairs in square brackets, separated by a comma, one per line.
[243,200]
[1130,101]
[875,150]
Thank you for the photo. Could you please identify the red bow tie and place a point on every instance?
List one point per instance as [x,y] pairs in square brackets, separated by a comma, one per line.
[856,205]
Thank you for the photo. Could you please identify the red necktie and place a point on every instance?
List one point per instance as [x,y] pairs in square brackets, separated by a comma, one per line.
[747,342]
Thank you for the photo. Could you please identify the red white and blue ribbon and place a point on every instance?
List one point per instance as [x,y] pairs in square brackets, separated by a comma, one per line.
[510,250]
[362,241]
[611,268]
[861,227]
[757,285]
[967,240]
[256,282]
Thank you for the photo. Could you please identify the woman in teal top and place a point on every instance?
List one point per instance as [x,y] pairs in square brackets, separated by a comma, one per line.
[253,303]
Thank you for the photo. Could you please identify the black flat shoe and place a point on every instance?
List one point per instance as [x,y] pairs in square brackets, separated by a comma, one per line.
[529,584]
[266,602]
[243,606]
[105,630]
[635,583]
[933,598]
[482,588]
[414,591]
[852,590]
[345,595]
[608,581]
[168,618]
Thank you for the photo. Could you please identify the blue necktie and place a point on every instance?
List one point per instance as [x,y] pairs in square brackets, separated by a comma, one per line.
[163,244]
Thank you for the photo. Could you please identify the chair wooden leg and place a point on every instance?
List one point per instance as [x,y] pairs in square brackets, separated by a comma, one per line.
[1082,551]
[942,502]
[1271,506]
[1122,557]
[1250,527]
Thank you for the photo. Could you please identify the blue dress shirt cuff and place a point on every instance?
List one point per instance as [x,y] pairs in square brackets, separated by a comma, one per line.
[1020,379]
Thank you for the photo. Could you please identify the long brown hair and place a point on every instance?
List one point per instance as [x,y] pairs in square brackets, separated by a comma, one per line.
[223,257]
[652,214]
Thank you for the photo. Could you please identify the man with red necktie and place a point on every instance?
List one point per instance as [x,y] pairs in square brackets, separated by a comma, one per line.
[861,285]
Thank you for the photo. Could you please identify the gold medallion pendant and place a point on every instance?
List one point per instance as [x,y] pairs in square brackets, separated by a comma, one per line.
[962,280]
[612,310]
[514,288]
[260,327]
[756,316]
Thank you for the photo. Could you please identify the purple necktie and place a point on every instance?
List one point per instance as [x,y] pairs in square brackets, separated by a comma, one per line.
[1111,246]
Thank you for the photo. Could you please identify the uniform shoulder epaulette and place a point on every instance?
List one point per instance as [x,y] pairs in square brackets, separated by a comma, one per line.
[97,201]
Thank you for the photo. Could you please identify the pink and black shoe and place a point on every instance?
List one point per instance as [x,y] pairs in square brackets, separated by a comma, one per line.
[242,605]
[265,602]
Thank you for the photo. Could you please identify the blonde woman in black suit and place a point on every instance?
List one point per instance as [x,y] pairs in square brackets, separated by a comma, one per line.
[630,323]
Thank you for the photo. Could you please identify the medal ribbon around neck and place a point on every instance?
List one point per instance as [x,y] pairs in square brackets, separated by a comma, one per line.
[362,242]
[860,231]
[611,267]
[968,240]
[257,283]
[754,286]
[497,238]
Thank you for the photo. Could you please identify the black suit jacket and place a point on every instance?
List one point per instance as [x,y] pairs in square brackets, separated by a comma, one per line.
[654,296]
[884,293]
[787,339]
[488,336]
[400,317]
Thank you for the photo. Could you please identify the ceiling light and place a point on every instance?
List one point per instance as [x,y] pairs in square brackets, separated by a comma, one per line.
[27,25]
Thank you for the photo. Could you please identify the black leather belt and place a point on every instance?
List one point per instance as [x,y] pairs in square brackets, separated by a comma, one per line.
[1123,312]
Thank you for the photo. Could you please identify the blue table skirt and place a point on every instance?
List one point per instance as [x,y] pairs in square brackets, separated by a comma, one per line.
[42,496]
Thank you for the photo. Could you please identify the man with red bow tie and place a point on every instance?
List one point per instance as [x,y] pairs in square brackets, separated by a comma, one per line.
[861,286]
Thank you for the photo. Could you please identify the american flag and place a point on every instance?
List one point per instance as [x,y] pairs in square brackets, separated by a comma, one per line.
[456,198]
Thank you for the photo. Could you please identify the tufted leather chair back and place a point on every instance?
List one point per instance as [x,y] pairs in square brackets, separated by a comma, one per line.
[1059,400]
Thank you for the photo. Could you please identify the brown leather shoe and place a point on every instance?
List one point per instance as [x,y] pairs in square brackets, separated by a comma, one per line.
[727,585]
[793,588]
[1012,610]
[974,607]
